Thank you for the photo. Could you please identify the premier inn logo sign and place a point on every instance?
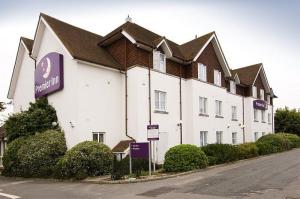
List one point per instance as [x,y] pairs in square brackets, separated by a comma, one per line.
[260,104]
[48,75]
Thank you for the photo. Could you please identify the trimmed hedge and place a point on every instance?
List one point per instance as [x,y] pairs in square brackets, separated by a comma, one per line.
[248,150]
[34,156]
[273,143]
[87,158]
[184,157]
[221,153]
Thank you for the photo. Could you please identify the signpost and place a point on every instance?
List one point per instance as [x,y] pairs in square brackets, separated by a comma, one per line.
[152,136]
[139,150]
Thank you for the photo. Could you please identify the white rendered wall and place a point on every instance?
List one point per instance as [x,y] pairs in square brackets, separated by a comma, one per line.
[24,91]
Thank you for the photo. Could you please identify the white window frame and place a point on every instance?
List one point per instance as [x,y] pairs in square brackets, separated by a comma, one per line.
[217,78]
[234,137]
[255,112]
[269,118]
[232,87]
[254,91]
[219,137]
[219,111]
[203,138]
[262,94]
[263,116]
[269,99]
[159,104]
[98,137]
[159,64]
[202,72]
[234,112]
[203,105]
[255,136]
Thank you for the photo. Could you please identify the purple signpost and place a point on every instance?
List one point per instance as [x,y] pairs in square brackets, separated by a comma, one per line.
[49,75]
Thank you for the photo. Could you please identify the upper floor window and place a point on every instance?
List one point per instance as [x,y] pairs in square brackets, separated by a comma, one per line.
[255,115]
[160,100]
[262,94]
[217,78]
[218,108]
[233,113]
[269,99]
[269,118]
[159,61]
[254,91]
[98,137]
[202,75]
[232,87]
[263,119]
[203,105]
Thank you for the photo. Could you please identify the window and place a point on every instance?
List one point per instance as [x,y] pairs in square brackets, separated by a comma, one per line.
[233,113]
[255,115]
[232,87]
[160,100]
[234,138]
[159,61]
[217,77]
[269,99]
[254,91]
[203,138]
[269,118]
[255,136]
[202,105]
[263,133]
[263,119]
[219,137]
[98,137]
[202,72]
[262,94]
[218,108]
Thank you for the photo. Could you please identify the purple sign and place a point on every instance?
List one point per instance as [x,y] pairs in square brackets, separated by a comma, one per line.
[260,104]
[139,149]
[49,75]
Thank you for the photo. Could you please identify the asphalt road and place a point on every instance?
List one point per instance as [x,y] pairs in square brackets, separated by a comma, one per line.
[276,176]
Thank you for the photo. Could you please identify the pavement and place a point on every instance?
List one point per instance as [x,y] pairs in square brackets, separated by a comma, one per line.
[275,176]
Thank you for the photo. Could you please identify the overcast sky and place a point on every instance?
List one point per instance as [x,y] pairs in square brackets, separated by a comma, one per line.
[249,31]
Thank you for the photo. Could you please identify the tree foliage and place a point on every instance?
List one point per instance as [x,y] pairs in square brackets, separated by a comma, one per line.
[38,118]
[287,120]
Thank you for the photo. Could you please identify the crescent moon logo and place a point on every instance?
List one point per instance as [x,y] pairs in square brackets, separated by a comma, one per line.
[48,69]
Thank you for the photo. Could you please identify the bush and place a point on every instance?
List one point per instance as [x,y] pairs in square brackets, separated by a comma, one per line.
[212,160]
[273,143]
[294,139]
[87,158]
[34,156]
[247,150]
[38,118]
[184,157]
[222,152]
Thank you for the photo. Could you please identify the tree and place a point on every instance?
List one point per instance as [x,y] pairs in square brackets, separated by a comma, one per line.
[2,106]
[38,118]
[287,121]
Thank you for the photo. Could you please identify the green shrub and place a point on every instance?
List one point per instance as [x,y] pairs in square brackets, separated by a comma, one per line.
[293,138]
[38,118]
[247,150]
[212,160]
[184,157]
[11,162]
[87,158]
[222,152]
[273,143]
[34,156]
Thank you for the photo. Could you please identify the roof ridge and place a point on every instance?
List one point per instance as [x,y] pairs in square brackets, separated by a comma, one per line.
[213,32]
[249,66]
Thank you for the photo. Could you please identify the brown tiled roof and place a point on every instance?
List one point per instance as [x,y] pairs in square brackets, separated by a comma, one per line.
[2,132]
[191,48]
[122,146]
[247,74]
[80,43]
[28,43]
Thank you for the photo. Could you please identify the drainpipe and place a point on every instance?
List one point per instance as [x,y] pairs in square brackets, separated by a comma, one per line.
[180,106]
[126,94]
[244,139]
[149,89]
[273,130]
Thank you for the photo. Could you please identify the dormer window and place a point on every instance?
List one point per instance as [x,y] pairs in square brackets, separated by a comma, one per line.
[202,72]
[159,61]
[233,87]
[254,91]
[269,99]
[262,94]
[217,78]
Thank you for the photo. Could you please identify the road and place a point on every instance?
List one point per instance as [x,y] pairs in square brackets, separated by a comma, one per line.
[275,176]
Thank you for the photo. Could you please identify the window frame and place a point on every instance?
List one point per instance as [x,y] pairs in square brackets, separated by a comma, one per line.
[234,138]
[232,87]
[205,106]
[159,108]
[256,136]
[203,138]
[269,118]
[98,136]
[263,116]
[262,94]
[219,108]
[217,77]
[157,61]
[234,113]
[219,137]
[254,94]
[255,112]
[202,72]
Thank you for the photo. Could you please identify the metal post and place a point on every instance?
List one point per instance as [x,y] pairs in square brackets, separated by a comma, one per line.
[150,158]
[154,154]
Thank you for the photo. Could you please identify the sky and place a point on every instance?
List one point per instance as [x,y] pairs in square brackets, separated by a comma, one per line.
[249,32]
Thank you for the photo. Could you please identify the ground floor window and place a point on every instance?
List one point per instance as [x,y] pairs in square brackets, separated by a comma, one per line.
[203,138]
[255,136]
[234,138]
[98,137]
[219,137]
[263,133]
